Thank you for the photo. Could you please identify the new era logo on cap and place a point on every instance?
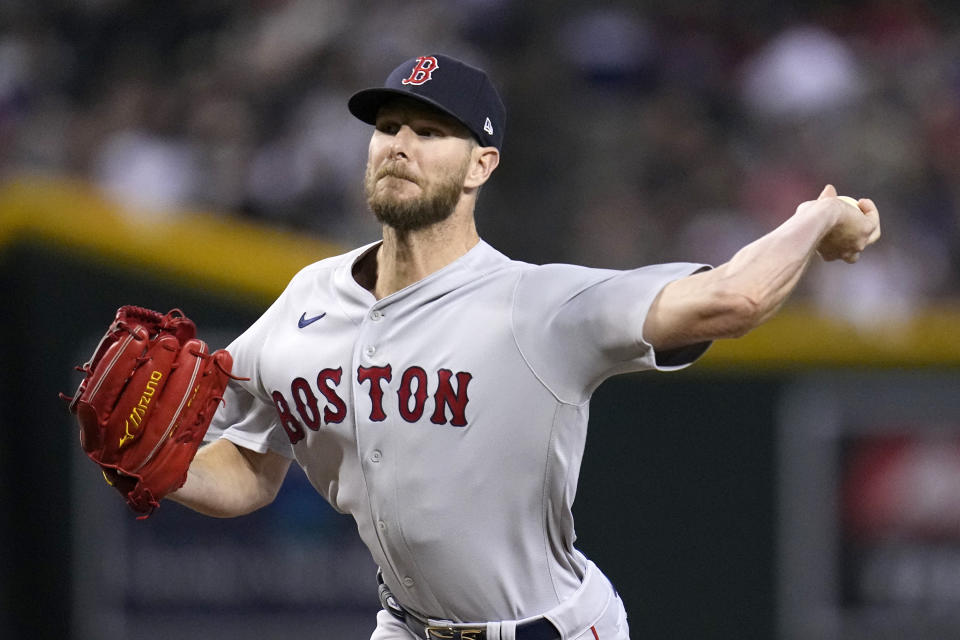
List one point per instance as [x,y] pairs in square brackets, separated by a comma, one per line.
[447,84]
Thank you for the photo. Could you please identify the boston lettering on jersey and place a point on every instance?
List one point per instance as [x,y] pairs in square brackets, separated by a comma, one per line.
[413,396]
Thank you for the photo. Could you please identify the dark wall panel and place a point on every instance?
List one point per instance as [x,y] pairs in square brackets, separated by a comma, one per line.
[676,501]
[53,303]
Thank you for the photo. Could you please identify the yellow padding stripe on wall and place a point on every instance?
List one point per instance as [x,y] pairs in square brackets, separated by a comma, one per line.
[241,257]
[256,261]
[800,336]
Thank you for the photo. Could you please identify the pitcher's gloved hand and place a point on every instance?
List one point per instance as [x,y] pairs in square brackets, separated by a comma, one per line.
[150,392]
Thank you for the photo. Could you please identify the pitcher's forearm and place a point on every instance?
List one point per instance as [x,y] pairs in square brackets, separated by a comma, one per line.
[225,480]
[766,271]
[737,296]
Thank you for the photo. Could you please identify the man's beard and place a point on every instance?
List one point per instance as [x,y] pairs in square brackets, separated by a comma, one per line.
[435,204]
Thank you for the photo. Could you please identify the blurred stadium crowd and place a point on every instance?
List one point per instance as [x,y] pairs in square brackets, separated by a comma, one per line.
[636,133]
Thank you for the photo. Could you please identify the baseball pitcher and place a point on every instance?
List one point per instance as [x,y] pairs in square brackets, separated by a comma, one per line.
[438,391]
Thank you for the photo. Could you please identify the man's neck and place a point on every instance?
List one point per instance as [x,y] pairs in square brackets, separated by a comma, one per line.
[408,257]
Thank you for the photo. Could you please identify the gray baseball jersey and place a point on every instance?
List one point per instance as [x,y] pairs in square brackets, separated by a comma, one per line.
[448,418]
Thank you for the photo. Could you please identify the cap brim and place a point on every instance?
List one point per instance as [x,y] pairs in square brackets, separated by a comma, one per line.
[366,104]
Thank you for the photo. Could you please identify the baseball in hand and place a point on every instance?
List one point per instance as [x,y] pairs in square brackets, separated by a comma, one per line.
[850,201]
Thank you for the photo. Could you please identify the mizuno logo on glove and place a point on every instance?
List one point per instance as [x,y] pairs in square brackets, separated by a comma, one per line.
[138,411]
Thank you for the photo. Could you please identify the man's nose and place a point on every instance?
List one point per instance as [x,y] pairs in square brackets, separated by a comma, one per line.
[401,142]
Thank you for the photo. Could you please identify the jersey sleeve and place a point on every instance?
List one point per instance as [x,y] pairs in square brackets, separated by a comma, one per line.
[577,326]
[249,422]
[247,417]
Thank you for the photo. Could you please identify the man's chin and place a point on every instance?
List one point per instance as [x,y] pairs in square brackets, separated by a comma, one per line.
[394,202]
[406,218]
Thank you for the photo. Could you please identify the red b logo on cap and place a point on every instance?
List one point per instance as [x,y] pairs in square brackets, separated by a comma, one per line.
[422,72]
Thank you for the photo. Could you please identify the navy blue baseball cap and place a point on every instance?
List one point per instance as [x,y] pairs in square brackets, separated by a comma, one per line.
[453,87]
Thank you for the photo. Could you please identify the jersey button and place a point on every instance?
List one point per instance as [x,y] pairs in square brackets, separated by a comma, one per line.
[408,581]
[370,350]
[376,315]
[376,456]
[381,525]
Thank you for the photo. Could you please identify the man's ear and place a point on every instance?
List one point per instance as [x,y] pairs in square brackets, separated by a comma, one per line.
[483,160]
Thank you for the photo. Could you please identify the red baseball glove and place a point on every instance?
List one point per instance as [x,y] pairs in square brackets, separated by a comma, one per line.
[150,392]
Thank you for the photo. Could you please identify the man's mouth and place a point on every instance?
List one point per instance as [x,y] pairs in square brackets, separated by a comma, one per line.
[393,172]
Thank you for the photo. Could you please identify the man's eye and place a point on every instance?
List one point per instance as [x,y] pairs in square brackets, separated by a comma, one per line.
[387,127]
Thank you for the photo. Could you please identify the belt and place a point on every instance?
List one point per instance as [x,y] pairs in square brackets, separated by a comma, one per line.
[539,629]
